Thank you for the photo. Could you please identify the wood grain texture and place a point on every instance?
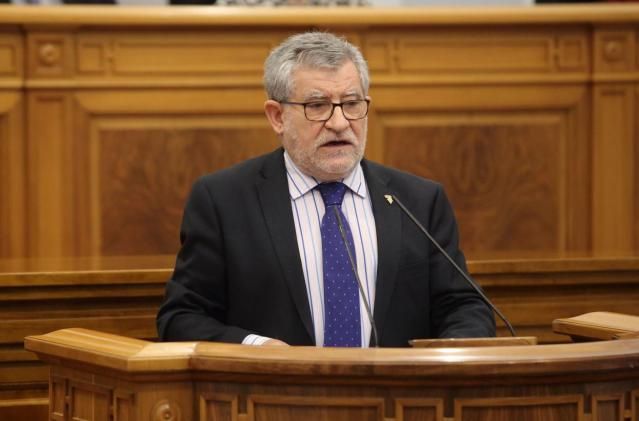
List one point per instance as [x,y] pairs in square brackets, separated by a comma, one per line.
[489,108]
[150,172]
[114,294]
[12,176]
[503,180]
[531,383]
[12,147]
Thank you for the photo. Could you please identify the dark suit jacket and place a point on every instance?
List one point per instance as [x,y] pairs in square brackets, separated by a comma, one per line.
[239,270]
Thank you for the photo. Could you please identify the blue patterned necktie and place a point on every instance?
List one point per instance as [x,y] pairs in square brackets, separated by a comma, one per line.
[342,325]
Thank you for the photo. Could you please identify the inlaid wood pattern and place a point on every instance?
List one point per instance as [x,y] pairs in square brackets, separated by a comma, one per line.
[214,407]
[89,402]
[145,176]
[505,181]
[262,408]
[407,409]
[118,54]
[608,407]
[557,408]
[490,50]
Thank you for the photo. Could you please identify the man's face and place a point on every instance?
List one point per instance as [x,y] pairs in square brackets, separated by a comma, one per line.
[326,150]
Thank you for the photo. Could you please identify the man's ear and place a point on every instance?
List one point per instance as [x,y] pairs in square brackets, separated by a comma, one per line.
[273,111]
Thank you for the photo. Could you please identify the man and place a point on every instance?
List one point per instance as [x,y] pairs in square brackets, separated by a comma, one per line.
[264,257]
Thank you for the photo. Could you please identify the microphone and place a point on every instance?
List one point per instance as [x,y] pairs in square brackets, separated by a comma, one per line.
[392,198]
[359,281]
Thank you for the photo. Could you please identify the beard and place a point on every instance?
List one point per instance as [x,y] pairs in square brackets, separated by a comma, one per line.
[328,157]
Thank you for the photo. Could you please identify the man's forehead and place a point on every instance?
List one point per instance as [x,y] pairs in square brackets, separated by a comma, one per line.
[317,81]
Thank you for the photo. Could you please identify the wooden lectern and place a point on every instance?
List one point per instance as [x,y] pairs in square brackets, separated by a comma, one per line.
[99,377]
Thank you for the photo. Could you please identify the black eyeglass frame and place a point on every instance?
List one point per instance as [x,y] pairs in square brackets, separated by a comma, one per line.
[334,104]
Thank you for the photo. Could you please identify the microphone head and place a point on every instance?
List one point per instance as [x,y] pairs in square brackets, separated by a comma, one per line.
[389,198]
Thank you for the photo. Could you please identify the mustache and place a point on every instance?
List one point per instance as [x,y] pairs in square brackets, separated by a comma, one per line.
[327,138]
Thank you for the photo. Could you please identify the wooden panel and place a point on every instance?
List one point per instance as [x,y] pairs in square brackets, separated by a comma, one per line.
[123,406]
[12,147]
[144,175]
[24,409]
[57,398]
[452,53]
[12,176]
[505,175]
[88,402]
[608,408]
[174,53]
[261,408]
[217,407]
[141,176]
[11,56]
[546,408]
[419,409]
[51,191]
[635,176]
[613,169]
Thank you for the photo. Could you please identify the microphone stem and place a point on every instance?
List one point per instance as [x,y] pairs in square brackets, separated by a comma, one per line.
[452,262]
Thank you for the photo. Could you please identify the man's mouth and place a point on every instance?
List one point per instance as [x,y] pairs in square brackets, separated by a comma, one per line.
[336,143]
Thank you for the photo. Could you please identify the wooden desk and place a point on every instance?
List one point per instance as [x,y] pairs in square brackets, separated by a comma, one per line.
[96,376]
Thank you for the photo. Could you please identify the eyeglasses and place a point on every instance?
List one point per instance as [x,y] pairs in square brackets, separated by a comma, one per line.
[323,110]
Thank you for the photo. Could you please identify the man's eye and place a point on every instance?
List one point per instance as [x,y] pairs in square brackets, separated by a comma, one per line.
[316,105]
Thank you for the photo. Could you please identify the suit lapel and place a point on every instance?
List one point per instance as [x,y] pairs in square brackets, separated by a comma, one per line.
[388,226]
[272,190]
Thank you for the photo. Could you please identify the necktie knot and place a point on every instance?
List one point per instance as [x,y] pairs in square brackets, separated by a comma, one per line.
[332,193]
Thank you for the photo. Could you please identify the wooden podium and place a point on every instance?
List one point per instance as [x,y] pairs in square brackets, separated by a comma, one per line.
[98,376]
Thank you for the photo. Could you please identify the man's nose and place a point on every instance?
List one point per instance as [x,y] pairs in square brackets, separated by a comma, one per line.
[337,122]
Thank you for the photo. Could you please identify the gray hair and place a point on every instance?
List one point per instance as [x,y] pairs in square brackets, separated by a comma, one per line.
[312,49]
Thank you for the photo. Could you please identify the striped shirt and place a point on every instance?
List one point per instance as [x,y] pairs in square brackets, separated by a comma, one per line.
[308,210]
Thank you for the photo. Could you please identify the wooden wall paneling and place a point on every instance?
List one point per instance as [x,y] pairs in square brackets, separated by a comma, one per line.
[532,297]
[498,54]
[141,164]
[614,139]
[32,409]
[12,176]
[177,57]
[51,194]
[12,151]
[635,175]
[613,169]
[506,158]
